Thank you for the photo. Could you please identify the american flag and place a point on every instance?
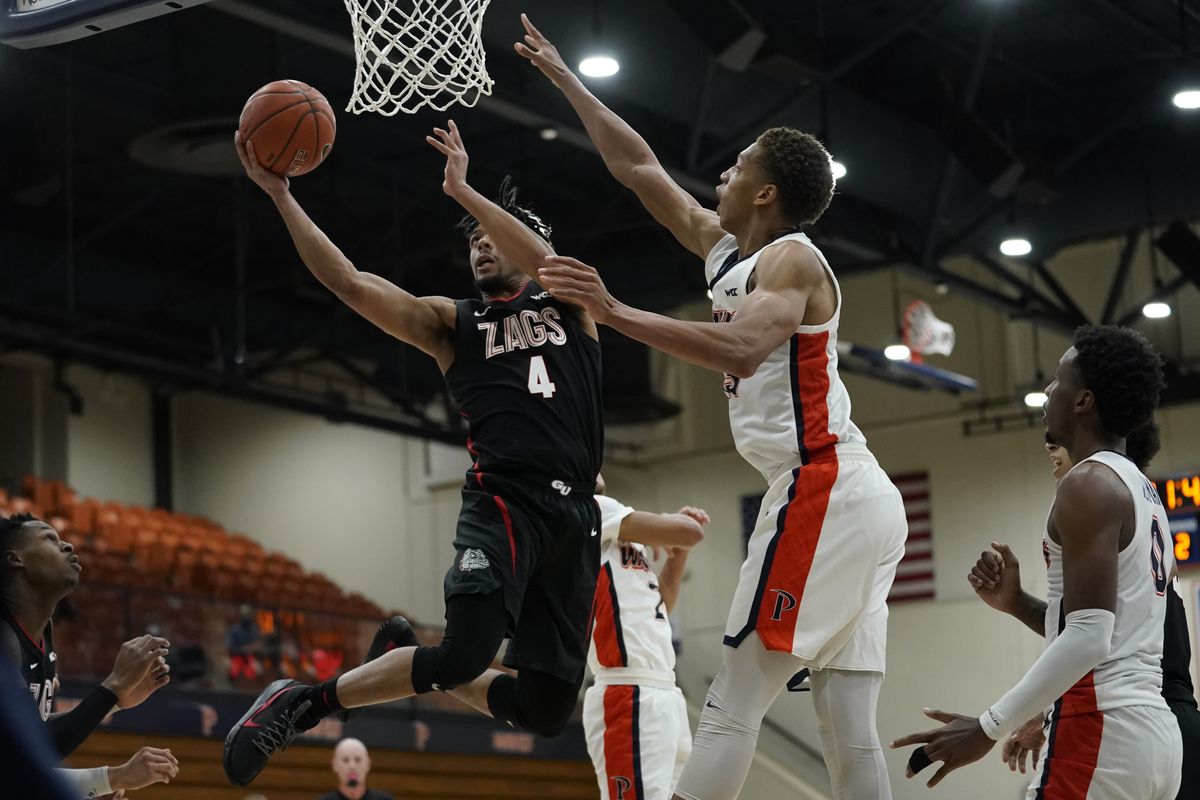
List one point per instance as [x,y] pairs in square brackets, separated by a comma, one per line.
[914,575]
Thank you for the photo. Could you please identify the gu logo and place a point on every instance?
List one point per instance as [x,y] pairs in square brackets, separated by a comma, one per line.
[622,785]
[560,487]
[784,602]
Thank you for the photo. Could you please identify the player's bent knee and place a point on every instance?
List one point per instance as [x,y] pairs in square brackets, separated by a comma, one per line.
[444,668]
[718,722]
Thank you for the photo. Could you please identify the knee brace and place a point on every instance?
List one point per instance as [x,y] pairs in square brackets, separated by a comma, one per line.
[444,667]
[545,716]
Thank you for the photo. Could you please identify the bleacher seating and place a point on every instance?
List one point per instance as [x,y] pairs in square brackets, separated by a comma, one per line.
[141,547]
[140,561]
[302,773]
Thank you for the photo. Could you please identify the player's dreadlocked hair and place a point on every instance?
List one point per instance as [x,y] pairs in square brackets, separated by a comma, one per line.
[1142,444]
[800,167]
[1121,368]
[10,532]
[507,199]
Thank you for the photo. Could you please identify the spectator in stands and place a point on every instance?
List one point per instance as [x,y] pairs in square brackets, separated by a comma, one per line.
[351,764]
[242,644]
[37,570]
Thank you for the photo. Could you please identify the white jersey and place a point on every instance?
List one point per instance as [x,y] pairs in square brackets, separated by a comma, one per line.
[795,406]
[630,627]
[1131,675]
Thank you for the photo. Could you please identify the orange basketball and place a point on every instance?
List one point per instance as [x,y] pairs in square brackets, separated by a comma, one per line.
[291,125]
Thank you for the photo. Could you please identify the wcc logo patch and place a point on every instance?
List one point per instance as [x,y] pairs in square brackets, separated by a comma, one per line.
[473,559]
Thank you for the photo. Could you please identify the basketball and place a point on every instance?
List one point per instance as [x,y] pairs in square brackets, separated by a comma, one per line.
[291,125]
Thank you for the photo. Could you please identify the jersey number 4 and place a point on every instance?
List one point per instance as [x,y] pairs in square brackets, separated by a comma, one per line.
[539,378]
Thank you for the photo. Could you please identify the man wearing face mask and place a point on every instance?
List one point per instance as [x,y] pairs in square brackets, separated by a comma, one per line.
[351,764]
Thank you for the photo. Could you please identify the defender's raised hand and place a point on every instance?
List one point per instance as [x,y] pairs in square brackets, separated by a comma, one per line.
[542,54]
[450,144]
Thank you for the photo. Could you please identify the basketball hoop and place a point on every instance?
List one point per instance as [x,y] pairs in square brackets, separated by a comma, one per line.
[924,333]
[414,53]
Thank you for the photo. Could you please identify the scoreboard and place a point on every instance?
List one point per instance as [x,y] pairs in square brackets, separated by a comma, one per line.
[1181,498]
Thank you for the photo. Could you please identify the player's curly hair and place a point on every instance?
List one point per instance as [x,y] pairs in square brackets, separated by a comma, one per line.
[10,532]
[507,199]
[1143,443]
[1124,372]
[800,166]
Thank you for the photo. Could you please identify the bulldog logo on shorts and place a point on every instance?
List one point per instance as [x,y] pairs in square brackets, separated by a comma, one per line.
[473,559]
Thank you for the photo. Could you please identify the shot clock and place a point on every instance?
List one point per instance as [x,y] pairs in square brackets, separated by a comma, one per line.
[1180,497]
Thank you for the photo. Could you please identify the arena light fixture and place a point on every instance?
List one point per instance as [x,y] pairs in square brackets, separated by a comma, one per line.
[1016,247]
[599,66]
[709,293]
[897,352]
[1187,99]
[548,134]
[1035,399]
[839,170]
[1156,310]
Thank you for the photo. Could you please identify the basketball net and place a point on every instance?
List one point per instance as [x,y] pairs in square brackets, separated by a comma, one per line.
[926,334]
[414,53]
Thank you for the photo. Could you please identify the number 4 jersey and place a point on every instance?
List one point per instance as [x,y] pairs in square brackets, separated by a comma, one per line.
[1131,675]
[526,376]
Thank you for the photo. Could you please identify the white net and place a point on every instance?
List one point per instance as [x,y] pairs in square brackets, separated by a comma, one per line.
[414,53]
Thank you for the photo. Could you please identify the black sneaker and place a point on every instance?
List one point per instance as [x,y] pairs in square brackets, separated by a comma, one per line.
[396,632]
[268,726]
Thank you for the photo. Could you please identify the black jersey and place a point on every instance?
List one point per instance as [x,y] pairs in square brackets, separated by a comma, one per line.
[1177,653]
[527,378]
[38,663]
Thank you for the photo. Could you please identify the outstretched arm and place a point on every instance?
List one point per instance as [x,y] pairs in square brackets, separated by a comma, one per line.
[625,152]
[514,238]
[426,322]
[788,273]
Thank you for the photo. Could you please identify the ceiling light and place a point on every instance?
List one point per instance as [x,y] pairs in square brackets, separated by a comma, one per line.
[897,352]
[709,293]
[1016,247]
[1188,98]
[839,170]
[599,66]
[1035,399]
[548,134]
[1156,310]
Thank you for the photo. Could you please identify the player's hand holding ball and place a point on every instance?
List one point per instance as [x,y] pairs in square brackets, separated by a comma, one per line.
[274,185]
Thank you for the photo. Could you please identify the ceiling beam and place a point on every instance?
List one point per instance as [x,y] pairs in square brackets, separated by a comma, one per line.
[1065,300]
[950,165]
[738,140]
[1120,276]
